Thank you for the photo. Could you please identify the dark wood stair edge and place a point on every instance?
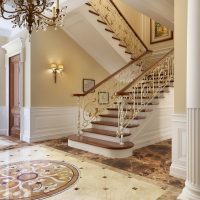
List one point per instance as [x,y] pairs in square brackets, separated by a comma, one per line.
[103,132]
[93,12]
[101,143]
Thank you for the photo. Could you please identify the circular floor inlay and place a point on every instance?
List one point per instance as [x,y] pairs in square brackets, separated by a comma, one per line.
[35,179]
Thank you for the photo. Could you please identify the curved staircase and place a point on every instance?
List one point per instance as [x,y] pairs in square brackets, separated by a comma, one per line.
[108,130]
[110,114]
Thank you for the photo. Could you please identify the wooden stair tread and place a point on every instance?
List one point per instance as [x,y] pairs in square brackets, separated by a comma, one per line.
[115,38]
[116,116]
[103,132]
[88,4]
[122,45]
[143,110]
[115,124]
[100,143]
[109,30]
[93,12]
[102,22]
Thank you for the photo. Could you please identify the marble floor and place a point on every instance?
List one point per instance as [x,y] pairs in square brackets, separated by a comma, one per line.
[10,143]
[36,171]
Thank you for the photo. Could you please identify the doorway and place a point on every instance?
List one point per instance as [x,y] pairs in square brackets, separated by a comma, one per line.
[14,96]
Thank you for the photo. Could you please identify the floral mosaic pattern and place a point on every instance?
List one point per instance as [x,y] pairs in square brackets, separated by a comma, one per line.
[35,179]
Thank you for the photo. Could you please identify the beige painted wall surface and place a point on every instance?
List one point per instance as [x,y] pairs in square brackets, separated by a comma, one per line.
[56,47]
[180,46]
[141,25]
[2,72]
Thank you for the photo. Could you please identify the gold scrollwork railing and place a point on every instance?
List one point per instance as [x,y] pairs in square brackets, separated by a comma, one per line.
[115,20]
[95,101]
[142,91]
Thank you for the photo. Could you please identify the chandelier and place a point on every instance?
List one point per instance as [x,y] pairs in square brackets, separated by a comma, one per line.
[32,14]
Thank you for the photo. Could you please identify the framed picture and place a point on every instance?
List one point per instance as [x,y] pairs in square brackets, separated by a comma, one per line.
[103,98]
[159,33]
[88,84]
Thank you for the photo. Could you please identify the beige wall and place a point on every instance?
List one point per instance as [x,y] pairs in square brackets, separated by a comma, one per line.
[141,25]
[56,47]
[180,46]
[2,73]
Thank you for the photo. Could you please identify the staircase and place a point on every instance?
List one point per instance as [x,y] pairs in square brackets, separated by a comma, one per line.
[109,128]
[111,113]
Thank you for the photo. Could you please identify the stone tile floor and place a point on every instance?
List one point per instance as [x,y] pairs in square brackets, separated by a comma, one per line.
[150,165]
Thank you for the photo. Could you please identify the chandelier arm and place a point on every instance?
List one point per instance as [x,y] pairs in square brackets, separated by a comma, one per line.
[8,18]
[3,10]
[45,17]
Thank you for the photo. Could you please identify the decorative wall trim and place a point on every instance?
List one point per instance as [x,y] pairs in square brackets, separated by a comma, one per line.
[179,146]
[44,123]
[3,122]
[156,128]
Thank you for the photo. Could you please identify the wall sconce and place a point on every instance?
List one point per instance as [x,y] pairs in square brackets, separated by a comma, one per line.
[56,69]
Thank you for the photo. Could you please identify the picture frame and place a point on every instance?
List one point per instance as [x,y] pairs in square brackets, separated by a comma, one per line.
[88,84]
[103,98]
[159,33]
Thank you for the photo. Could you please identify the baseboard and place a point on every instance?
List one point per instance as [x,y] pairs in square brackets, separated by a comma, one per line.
[3,121]
[178,171]
[3,132]
[46,123]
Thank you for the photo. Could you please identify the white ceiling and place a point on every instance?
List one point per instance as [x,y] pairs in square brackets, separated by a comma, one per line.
[6,29]
[160,10]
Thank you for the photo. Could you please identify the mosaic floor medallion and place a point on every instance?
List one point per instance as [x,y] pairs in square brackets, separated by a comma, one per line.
[37,179]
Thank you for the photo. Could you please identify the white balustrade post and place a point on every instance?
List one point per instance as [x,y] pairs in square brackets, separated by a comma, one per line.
[192,184]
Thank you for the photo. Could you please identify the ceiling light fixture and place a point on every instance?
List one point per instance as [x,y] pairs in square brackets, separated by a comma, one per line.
[32,14]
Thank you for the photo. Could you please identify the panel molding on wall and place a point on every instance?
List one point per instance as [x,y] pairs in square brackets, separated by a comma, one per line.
[3,121]
[179,146]
[44,123]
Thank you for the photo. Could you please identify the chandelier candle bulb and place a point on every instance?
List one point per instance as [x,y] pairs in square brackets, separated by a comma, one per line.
[57,4]
[54,12]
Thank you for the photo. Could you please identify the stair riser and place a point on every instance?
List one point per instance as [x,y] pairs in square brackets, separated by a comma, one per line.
[164,89]
[139,114]
[136,122]
[146,107]
[113,128]
[161,95]
[104,137]
[101,151]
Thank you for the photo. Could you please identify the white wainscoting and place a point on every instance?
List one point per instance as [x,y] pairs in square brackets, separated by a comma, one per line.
[40,123]
[179,146]
[158,124]
[156,128]
[3,121]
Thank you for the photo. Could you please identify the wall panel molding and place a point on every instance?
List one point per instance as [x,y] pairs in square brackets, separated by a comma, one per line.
[44,123]
[179,146]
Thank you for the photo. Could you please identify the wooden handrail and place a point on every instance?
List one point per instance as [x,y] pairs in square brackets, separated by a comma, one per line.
[120,13]
[153,66]
[112,75]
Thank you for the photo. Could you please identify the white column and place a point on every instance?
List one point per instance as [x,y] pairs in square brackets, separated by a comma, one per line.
[192,184]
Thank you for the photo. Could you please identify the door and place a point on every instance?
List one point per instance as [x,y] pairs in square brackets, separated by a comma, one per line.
[14,96]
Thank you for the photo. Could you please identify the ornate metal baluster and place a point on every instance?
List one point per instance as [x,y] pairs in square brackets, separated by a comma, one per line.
[79,117]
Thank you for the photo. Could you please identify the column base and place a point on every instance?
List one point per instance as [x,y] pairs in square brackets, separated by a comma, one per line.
[190,192]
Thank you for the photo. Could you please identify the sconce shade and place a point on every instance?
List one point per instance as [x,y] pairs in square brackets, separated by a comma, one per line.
[53,66]
[60,68]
